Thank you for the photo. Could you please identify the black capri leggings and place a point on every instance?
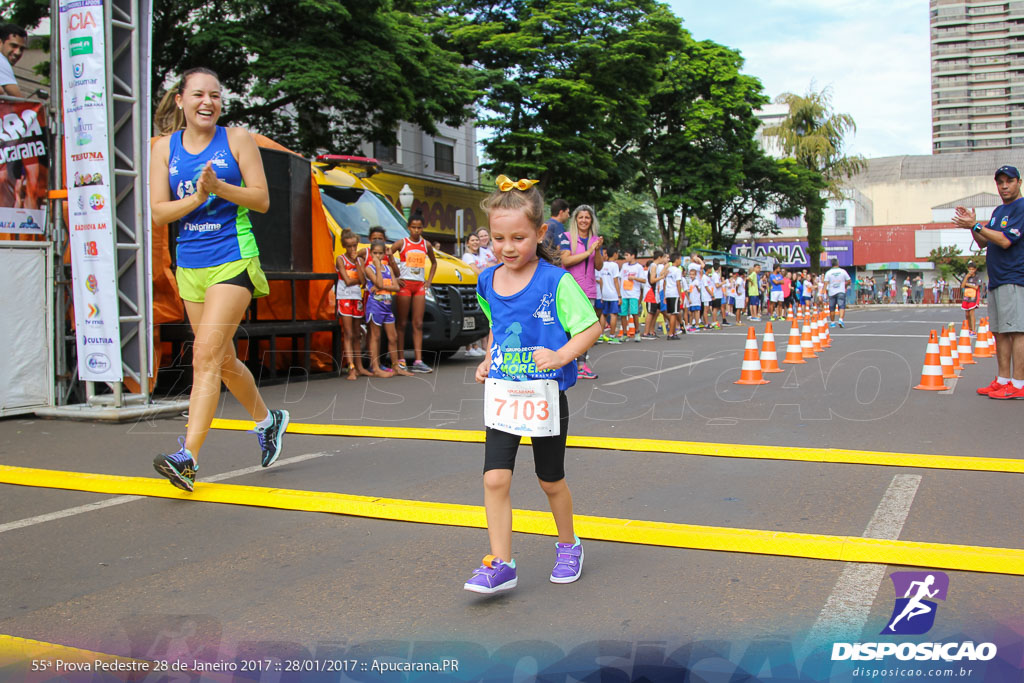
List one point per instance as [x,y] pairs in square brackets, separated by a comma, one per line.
[548,451]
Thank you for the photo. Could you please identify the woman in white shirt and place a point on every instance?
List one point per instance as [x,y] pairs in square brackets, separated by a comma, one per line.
[484,237]
[476,258]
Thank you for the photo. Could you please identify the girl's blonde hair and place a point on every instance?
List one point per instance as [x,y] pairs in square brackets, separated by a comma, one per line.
[168,118]
[530,202]
[574,230]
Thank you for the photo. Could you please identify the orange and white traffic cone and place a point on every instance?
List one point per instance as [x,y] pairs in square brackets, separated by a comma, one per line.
[816,332]
[769,356]
[983,349]
[793,353]
[946,358]
[806,344]
[630,329]
[964,346]
[750,371]
[953,350]
[790,316]
[931,375]
[826,336]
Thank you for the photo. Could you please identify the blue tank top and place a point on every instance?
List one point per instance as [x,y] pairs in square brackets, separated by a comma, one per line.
[543,314]
[219,231]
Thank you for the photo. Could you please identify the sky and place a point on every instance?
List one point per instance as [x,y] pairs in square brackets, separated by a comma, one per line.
[873,54]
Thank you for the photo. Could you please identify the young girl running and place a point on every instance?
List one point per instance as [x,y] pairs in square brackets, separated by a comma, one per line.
[209,178]
[380,288]
[349,295]
[413,252]
[541,321]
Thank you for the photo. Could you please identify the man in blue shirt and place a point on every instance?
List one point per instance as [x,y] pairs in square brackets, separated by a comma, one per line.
[1005,262]
[776,312]
[556,224]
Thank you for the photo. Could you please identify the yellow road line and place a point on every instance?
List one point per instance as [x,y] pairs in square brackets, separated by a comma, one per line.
[815,546]
[722,450]
[15,651]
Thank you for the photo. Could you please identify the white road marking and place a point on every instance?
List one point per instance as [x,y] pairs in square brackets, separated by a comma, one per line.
[847,608]
[658,372]
[120,500]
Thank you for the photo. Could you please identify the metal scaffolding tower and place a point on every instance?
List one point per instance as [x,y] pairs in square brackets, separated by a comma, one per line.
[127,59]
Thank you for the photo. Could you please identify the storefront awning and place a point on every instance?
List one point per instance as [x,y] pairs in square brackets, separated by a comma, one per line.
[901,265]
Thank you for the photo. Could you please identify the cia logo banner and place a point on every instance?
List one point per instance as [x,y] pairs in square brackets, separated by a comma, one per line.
[915,608]
[90,215]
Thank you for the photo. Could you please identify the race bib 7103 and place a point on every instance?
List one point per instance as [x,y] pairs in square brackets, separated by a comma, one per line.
[528,408]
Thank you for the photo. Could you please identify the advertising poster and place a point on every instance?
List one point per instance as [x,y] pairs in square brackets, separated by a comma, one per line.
[90,211]
[23,168]
[793,254]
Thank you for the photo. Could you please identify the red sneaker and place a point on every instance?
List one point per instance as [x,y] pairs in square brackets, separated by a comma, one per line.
[1007,391]
[985,391]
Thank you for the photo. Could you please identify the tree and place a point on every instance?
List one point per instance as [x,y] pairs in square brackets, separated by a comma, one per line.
[700,132]
[768,188]
[315,76]
[814,136]
[627,221]
[567,82]
[952,263]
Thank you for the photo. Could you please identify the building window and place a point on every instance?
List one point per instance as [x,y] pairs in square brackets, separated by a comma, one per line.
[444,158]
[840,218]
[385,153]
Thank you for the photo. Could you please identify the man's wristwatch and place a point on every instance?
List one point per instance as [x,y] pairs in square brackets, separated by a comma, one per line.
[976,228]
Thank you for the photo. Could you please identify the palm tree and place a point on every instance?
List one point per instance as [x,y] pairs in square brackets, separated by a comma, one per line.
[813,135]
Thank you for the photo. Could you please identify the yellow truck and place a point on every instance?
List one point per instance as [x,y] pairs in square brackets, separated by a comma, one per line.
[352,199]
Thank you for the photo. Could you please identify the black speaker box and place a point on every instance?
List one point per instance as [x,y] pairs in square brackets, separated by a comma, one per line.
[284,232]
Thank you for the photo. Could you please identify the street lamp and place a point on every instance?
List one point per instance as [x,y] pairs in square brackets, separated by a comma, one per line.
[406,197]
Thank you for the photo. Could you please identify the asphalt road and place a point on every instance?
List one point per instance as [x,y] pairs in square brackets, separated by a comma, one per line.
[159,578]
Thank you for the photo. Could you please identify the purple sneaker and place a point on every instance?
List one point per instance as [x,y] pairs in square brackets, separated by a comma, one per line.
[493,575]
[568,562]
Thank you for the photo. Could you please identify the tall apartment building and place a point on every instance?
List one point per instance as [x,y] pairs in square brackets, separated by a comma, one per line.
[977,51]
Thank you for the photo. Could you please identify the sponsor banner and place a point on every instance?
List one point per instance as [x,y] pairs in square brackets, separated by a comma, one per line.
[793,254]
[23,168]
[90,209]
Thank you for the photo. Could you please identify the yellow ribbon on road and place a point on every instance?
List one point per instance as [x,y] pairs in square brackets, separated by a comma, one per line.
[721,450]
[642,532]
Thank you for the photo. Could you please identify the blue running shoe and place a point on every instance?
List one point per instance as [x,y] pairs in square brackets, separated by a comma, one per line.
[178,467]
[493,576]
[270,438]
[568,562]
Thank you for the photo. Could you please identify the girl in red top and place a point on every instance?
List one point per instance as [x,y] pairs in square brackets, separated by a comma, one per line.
[349,295]
[413,252]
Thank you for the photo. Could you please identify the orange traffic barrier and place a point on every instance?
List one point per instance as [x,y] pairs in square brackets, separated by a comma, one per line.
[806,345]
[946,358]
[964,346]
[953,350]
[793,353]
[983,348]
[750,371]
[826,336]
[769,356]
[931,374]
